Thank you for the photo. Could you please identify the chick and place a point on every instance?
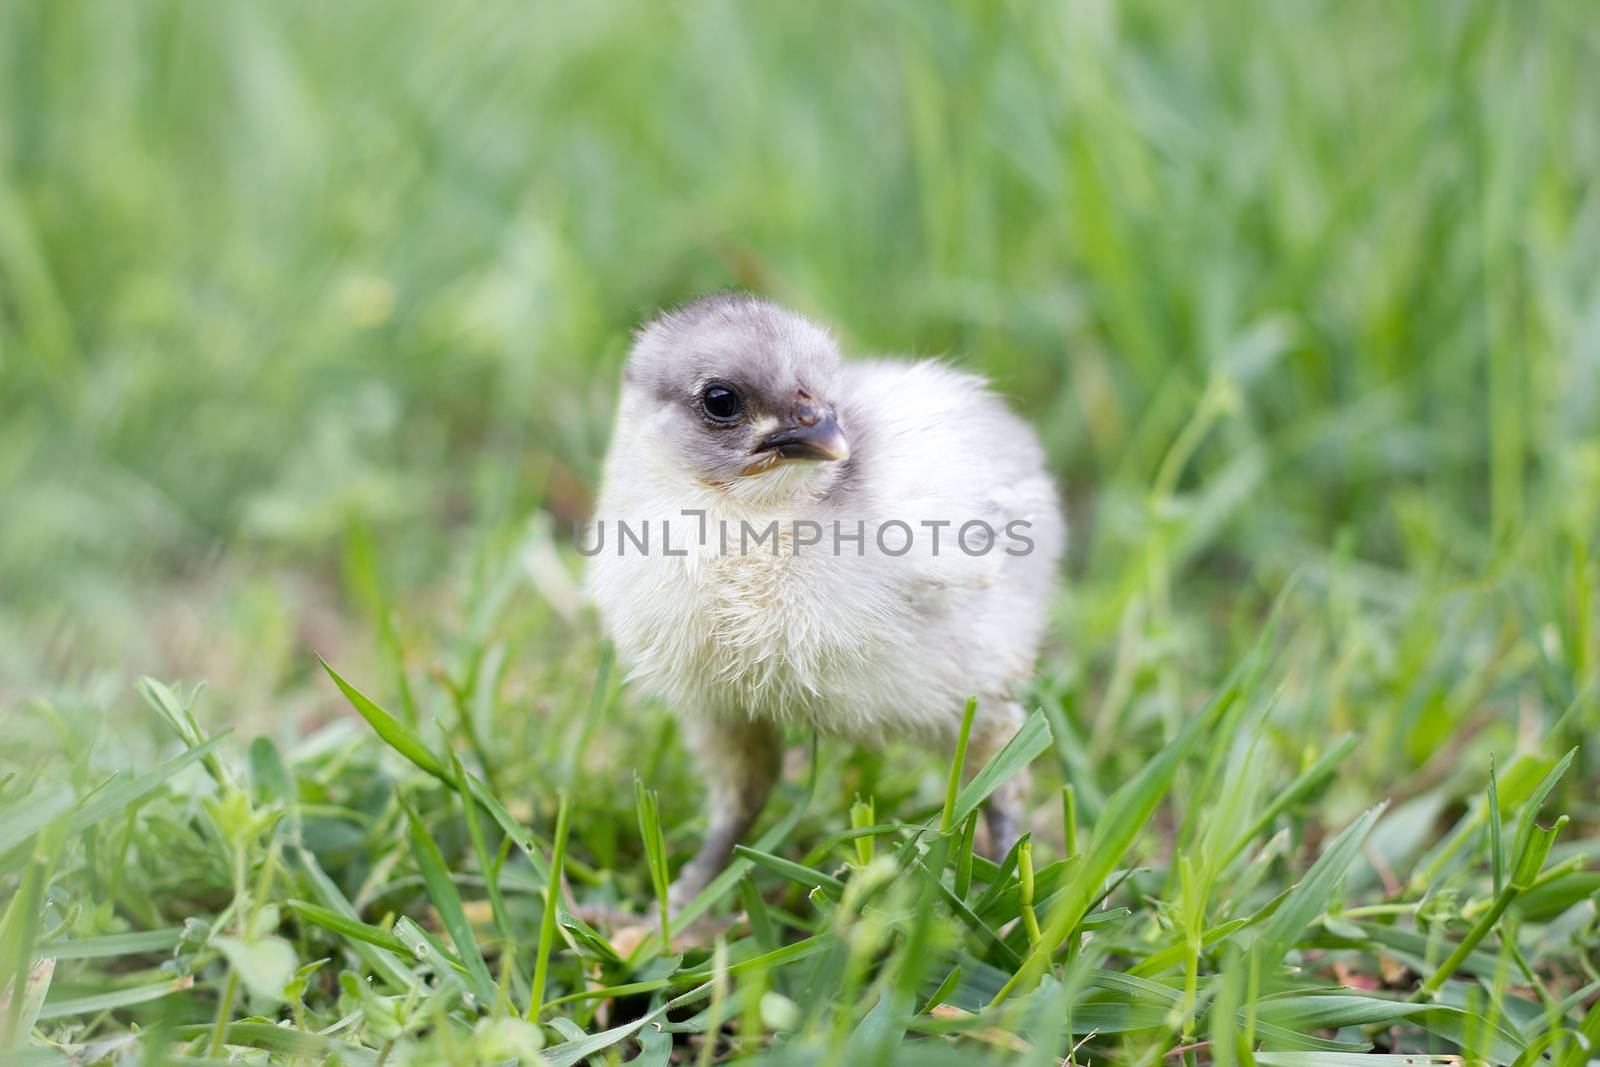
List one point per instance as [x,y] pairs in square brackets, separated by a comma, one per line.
[784,538]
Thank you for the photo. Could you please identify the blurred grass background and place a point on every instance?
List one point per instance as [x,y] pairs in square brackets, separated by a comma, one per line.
[307,311]
[310,323]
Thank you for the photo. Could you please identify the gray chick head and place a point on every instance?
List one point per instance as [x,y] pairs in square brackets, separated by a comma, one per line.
[738,395]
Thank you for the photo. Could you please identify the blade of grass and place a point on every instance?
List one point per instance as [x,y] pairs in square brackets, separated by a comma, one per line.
[947,819]
[396,734]
[1023,748]
[120,795]
[106,945]
[648,809]
[1310,898]
[344,926]
[406,741]
[547,921]
[1303,784]
[284,1041]
[19,928]
[447,902]
[119,998]
[486,864]
[22,820]
[384,963]
[1497,857]
[793,871]
[423,946]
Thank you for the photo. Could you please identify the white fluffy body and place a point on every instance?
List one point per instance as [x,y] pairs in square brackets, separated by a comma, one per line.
[869,646]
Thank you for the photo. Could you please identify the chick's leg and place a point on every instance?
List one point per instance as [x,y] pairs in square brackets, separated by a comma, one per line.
[1004,812]
[740,762]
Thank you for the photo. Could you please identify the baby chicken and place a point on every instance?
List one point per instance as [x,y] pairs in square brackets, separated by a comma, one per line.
[783,537]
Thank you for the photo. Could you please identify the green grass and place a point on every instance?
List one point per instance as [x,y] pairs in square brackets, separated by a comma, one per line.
[310,319]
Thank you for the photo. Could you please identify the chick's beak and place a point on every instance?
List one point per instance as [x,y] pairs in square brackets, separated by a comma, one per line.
[810,432]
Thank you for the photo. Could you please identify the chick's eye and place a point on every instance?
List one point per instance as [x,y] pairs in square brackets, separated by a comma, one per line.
[721,404]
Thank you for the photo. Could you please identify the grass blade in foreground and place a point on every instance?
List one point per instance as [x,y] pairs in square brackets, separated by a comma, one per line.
[447,901]
[547,920]
[1032,738]
[396,734]
[1310,898]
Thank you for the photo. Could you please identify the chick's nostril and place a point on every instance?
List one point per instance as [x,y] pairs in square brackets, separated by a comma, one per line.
[807,414]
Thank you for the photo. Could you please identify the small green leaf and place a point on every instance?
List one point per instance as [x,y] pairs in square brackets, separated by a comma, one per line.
[268,771]
[264,964]
[942,993]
